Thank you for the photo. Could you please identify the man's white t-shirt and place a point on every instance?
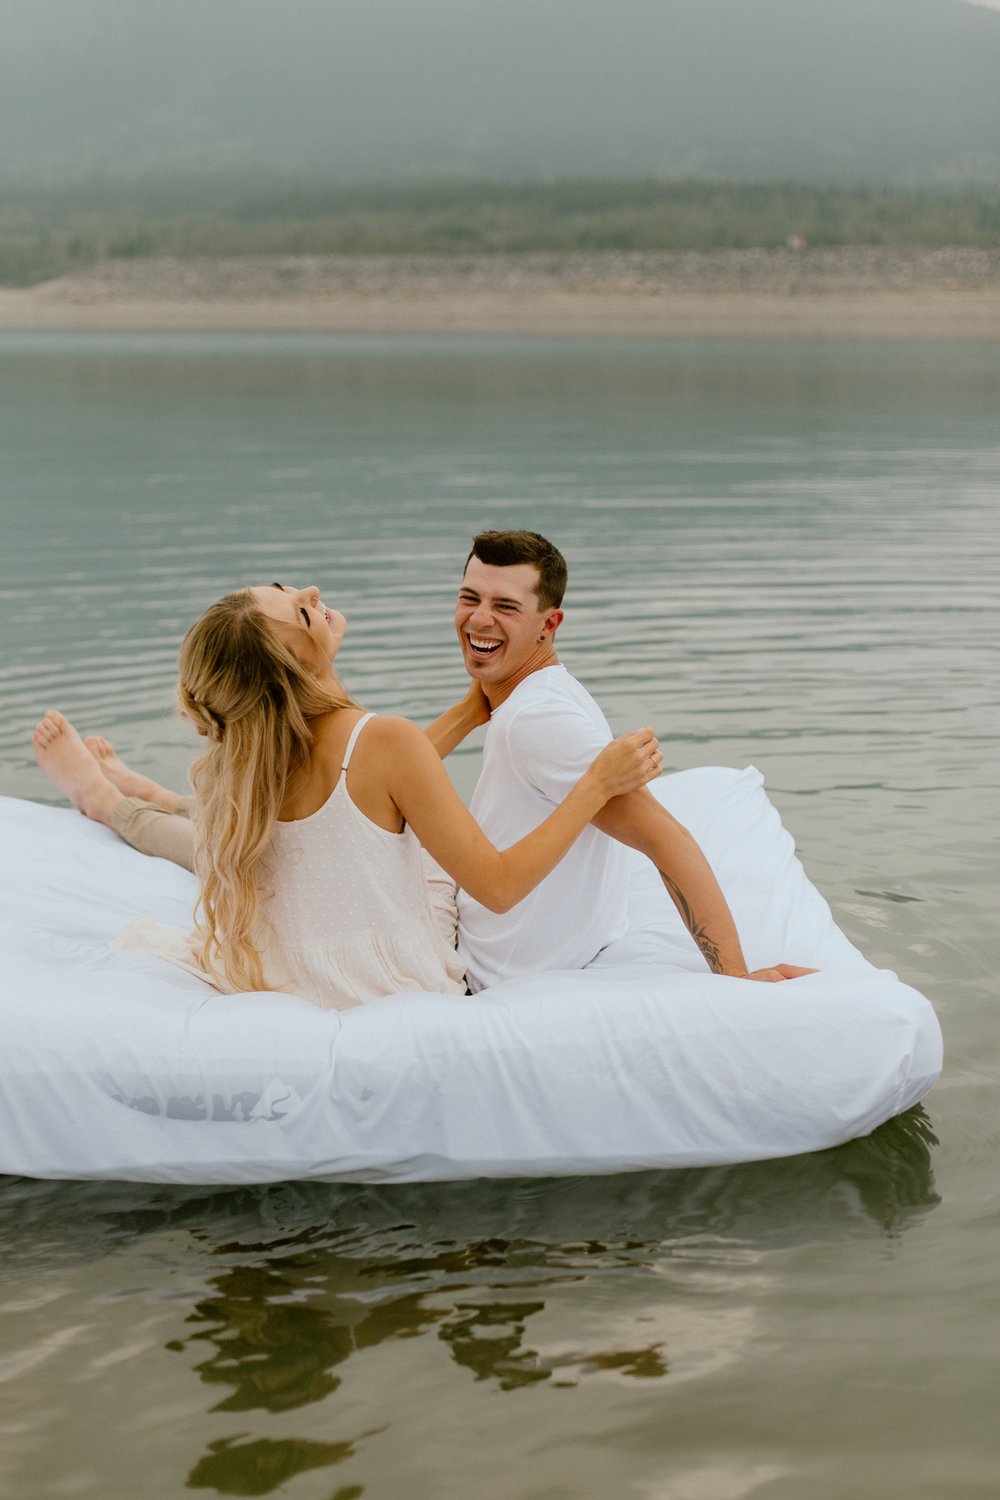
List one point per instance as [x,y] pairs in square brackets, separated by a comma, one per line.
[538,744]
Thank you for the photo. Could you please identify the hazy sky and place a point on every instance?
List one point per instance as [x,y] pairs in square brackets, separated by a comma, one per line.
[900,91]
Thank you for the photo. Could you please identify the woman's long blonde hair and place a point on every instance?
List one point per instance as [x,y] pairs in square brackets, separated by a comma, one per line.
[255,702]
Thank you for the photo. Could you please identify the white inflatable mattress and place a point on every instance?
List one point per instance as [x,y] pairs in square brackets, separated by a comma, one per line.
[118,1065]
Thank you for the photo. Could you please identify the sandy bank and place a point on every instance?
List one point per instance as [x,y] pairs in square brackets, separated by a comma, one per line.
[847,293]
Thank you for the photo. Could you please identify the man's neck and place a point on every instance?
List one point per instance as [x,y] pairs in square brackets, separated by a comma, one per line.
[498,692]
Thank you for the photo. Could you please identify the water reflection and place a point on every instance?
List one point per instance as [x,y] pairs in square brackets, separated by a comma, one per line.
[274,1352]
[298,1279]
[479,1231]
[261,1466]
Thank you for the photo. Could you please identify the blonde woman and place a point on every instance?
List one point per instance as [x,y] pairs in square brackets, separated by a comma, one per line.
[310,814]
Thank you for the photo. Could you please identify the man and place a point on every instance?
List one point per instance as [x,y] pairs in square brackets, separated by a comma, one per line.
[544,731]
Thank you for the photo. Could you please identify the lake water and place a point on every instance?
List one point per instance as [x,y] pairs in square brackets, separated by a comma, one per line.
[781,553]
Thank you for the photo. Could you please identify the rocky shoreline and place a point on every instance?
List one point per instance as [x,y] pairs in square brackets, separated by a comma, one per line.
[847,292]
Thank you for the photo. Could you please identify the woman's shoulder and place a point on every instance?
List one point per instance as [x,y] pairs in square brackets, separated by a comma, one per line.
[381,733]
[392,732]
[394,749]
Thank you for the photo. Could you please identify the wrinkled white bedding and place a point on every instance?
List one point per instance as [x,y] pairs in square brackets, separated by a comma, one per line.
[118,1065]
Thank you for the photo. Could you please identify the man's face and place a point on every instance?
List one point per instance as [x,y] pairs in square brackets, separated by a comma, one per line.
[503,633]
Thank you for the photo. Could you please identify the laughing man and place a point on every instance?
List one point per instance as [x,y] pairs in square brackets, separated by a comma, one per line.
[544,730]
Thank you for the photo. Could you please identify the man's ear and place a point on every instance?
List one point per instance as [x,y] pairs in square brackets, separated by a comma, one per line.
[553,620]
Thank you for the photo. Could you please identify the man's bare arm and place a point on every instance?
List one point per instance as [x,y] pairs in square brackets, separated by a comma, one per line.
[639,821]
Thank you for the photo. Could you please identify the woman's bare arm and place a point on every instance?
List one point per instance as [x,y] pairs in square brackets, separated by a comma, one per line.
[421,790]
[450,728]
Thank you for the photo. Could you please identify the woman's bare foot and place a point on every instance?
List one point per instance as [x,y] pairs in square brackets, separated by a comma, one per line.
[132,783]
[65,759]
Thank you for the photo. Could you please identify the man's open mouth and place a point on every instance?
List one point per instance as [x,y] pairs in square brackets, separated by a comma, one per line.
[482,647]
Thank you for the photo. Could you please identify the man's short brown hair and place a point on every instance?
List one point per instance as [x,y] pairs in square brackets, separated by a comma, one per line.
[505,549]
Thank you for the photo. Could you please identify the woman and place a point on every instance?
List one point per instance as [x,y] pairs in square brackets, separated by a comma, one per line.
[311,814]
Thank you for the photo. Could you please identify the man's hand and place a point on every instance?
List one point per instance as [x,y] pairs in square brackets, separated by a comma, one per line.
[780,971]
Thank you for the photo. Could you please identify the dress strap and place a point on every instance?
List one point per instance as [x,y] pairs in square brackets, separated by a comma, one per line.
[353,739]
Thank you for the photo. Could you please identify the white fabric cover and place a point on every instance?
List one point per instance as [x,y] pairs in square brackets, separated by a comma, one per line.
[117,1065]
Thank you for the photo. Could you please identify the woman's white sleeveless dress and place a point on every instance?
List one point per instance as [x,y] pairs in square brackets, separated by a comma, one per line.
[350,912]
[350,915]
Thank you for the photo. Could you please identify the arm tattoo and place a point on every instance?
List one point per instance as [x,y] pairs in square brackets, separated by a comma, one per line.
[709,949]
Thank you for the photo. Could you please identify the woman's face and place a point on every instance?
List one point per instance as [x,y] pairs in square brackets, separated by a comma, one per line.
[316,631]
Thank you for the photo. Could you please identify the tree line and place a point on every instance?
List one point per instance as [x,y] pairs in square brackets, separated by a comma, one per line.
[47,232]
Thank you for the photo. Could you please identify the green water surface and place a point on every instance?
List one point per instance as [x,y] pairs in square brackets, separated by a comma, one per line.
[781,553]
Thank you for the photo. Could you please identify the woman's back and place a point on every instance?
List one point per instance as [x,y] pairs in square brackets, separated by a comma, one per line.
[346,915]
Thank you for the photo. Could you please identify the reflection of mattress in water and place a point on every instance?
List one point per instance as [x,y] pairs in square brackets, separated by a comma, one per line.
[118,1065]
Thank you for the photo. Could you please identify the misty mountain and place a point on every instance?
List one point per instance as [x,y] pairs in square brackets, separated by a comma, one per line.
[902,92]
